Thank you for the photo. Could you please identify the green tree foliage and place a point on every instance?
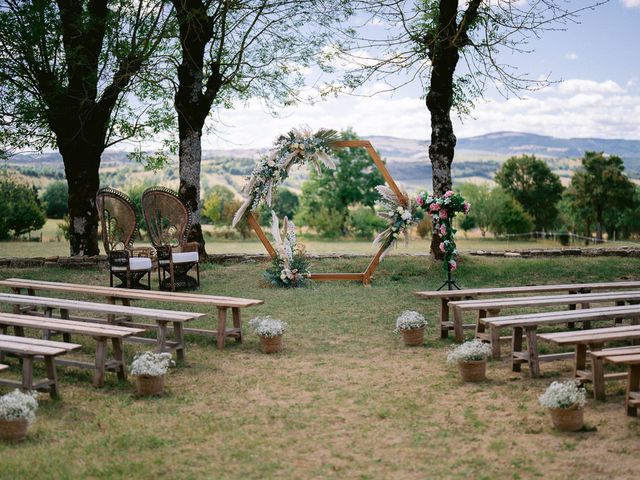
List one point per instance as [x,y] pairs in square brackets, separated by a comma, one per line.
[512,218]
[56,200]
[20,209]
[365,223]
[326,197]
[284,202]
[217,199]
[532,183]
[486,205]
[599,189]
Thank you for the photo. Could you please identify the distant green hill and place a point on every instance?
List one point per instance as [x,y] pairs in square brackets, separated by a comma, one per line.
[477,159]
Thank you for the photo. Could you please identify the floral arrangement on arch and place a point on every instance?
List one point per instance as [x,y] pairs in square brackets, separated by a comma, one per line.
[400,214]
[443,210]
[297,147]
[290,266]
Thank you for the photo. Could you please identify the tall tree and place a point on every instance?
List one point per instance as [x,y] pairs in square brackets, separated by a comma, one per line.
[66,70]
[532,183]
[425,41]
[601,185]
[238,50]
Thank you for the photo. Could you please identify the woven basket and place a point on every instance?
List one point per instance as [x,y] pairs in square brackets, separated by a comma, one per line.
[271,344]
[13,430]
[148,385]
[473,371]
[567,419]
[413,337]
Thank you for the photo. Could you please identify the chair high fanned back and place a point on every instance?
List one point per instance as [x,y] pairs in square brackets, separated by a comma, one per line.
[118,218]
[168,219]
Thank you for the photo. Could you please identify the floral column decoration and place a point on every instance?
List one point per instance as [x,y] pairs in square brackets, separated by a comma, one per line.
[443,210]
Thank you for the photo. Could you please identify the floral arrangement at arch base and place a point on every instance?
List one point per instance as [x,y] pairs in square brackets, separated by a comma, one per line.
[443,210]
[297,147]
[290,267]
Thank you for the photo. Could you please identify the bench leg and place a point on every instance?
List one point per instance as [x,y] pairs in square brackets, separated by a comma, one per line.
[162,336]
[101,360]
[516,346]
[118,355]
[178,334]
[52,376]
[532,347]
[27,373]
[597,366]
[458,331]
[580,359]
[237,323]
[444,317]
[495,342]
[222,327]
[633,385]
[480,327]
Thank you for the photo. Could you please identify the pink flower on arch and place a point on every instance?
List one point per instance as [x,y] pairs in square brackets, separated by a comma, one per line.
[452,265]
[443,230]
[419,200]
[442,249]
[434,207]
[466,206]
[448,193]
[443,214]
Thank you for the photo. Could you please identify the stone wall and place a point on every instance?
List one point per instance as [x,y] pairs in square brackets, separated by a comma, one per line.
[101,261]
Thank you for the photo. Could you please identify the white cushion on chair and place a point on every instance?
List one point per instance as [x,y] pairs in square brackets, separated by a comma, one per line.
[183,257]
[135,264]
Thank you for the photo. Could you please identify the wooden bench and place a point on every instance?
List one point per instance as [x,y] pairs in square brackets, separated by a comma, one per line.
[447,296]
[531,322]
[598,358]
[492,307]
[3,367]
[632,397]
[125,296]
[28,349]
[101,333]
[28,304]
[591,339]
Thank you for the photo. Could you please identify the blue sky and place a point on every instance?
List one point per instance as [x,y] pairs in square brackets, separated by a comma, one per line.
[597,60]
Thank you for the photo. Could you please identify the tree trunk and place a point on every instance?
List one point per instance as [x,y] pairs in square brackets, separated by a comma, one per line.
[444,58]
[190,153]
[83,179]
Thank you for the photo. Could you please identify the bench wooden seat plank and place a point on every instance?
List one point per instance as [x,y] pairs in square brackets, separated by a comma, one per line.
[446,296]
[125,296]
[632,397]
[27,349]
[531,321]
[598,359]
[101,333]
[161,317]
[594,340]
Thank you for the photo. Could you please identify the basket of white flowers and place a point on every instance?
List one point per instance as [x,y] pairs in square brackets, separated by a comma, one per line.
[17,411]
[565,401]
[411,324]
[150,369]
[471,358]
[270,332]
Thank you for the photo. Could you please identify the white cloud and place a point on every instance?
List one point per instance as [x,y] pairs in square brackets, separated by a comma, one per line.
[631,3]
[576,108]
[571,56]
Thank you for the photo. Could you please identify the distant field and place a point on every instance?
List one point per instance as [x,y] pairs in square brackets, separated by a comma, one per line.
[49,247]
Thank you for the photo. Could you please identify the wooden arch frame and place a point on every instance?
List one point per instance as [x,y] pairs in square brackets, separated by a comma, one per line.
[364,277]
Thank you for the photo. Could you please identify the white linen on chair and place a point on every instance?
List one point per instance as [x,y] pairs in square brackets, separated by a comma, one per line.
[183,257]
[135,264]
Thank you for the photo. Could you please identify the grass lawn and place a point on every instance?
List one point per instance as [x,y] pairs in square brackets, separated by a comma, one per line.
[344,400]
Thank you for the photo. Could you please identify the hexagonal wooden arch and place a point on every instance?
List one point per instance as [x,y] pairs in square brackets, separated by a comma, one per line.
[364,277]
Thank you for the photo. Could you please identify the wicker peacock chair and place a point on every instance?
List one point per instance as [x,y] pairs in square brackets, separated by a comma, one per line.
[168,223]
[119,227]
